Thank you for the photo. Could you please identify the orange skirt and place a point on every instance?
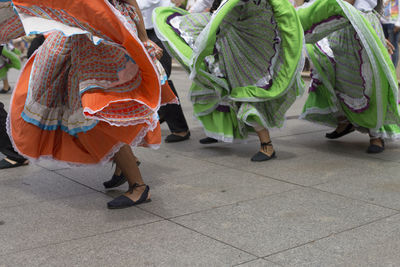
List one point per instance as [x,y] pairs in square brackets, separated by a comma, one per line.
[116,116]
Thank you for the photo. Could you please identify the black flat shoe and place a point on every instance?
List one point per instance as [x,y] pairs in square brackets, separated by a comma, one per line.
[5,164]
[208,140]
[117,180]
[260,156]
[374,149]
[173,138]
[336,135]
[123,201]
[2,91]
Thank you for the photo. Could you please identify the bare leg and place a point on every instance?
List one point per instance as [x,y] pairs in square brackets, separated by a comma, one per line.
[343,123]
[376,141]
[118,178]
[343,128]
[6,84]
[264,137]
[117,171]
[126,162]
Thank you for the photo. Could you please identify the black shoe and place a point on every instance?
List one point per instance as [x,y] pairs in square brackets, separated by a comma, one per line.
[2,91]
[5,164]
[374,149]
[336,135]
[116,180]
[260,156]
[173,138]
[123,202]
[208,140]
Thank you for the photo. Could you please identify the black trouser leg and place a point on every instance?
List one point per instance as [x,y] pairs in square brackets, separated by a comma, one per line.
[173,115]
[170,113]
[5,144]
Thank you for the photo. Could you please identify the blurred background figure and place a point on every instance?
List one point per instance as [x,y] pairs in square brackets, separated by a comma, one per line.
[201,6]
[8,59]
[35,43]
[12,159]
[391,26]
[172,114]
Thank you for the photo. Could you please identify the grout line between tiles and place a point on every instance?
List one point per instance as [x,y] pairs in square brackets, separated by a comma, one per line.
[332,234]
[79,238]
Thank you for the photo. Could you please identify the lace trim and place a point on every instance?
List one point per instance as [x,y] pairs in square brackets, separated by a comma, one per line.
[322,28]
[137,141]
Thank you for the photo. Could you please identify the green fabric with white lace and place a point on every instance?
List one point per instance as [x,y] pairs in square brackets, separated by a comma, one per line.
[353,75]
[8,60]
[244,59]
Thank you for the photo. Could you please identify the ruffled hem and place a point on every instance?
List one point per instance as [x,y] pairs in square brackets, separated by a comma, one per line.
[139,140]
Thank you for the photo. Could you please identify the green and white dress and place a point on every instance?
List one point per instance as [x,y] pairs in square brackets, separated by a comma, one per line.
[353,75]
[8,60]
[244,59]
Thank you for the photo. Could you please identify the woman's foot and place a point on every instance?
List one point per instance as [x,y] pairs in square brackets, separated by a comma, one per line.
[7,163]
[341,130]
[137,194]
[5,90]
[266,152]
[177,137]
[208,140]
[376,145]
[117,179]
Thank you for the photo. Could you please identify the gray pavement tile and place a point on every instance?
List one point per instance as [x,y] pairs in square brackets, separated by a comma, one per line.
[303,166]
[377,182]
[296,127]
[391,153]
[282,221]
[188,146]
[160,163]
[375,244]
[193,147]
[353,144]
[295,163]
[36,185]
[236,154]
[91,176]
[22,171]
[155,166]
[258,263]
[312,168]
[178,195]
[155,244]
[30,226]
[52,165]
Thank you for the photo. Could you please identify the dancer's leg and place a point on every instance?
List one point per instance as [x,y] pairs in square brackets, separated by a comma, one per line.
[344,127]
[376,145]
[264,137]
[126,161]
[6,85]
[267,151]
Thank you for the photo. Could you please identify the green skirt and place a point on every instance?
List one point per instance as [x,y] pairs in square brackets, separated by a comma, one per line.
[8,60]
[352,75]
[245,61]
